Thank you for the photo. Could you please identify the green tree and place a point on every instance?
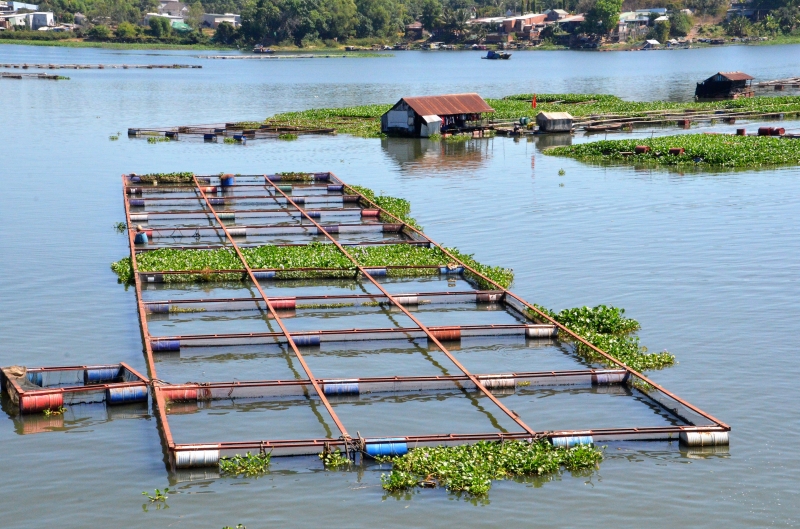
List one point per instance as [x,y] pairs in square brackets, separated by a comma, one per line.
[431,14]
[195,15]
[680,24]
[603,16]
[660,31]
[738,26]
[225,33]
[338,20]
[125,31]
[99,32]
[160,27]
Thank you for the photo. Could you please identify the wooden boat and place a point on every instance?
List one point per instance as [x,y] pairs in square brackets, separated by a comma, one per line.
[494,55]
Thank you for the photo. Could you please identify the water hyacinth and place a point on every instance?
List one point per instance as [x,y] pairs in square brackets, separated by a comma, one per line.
[472,468]
[610,330]
[168,177]
[399,207]
[700,150]
[249,465]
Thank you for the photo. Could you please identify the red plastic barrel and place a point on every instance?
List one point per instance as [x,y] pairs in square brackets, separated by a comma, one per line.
[370,212]
[764,131]
[676,151]
[183,394]
[741,132]
[777,131]
[283,304]
[446,334]
[641,149]
[36,402]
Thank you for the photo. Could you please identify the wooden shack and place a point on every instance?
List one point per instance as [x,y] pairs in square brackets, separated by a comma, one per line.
[427,115]
[725,85]
[554,121]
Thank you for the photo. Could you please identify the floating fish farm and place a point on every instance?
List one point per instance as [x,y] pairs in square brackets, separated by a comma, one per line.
[370,360]
[233,132]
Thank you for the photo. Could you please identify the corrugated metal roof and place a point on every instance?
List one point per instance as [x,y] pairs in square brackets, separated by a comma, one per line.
[736,76]
[555,115]
[448,105]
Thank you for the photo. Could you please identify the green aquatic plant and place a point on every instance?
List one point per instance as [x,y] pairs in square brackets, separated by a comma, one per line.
[399,207]
[172,178]
[58,411]
[472,468]
[248,465]
[114,137]
[334,459]
[698,150]
[229,141]
[561,172]
[457,138]
[503,276]
[324,305]
[287,137]
[158,139]
[608,329]
[294,176]
[120,227]
[158,496]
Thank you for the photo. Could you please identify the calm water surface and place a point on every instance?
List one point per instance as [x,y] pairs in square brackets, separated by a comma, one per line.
[708,263]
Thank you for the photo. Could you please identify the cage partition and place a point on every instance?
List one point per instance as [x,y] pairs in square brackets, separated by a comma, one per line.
[441,315]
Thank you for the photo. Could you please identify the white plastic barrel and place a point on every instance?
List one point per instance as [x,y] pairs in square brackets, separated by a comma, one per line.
[704,438]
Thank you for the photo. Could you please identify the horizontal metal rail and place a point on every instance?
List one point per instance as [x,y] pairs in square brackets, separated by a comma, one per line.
[140,249]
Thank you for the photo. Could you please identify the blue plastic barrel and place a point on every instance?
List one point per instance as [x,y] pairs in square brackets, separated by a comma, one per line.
[299,200]
[126,394]
[140,238]
[575,440]
[322,176]
[446,270]
[264,275]
[98,375]
[332,187]
[331,229]
[314,214]
[227,180]
[216,201]
[376,272]
[165,345]
[221,131]
[158,308]
[209,137]
[35,378]
[307,340]
[273,177]
[387,447]
[135,179]
[137,202]
[340,388]
[240,138]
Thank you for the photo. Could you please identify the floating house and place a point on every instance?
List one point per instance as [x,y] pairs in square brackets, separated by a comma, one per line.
[427,115]
[725,85]
[554,121]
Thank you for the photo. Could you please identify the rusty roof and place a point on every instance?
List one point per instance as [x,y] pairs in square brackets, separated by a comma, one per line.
[736,76]
[448,105]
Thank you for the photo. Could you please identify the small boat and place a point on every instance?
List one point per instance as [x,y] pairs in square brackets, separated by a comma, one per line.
[261,49]
[494,55]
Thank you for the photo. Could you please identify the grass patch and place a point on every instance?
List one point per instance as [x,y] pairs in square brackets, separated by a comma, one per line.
[287,137]
[173,178]
[248,465]
[399,207]
[158,139]
[363,121]
[472,468]
[700,150]
[610,330]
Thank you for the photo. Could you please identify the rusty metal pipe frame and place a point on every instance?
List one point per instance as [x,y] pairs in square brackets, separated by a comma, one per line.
[408,314]
[248,211]
[274,227]
[220,246]
[539,313]
[299,269]
[274,313]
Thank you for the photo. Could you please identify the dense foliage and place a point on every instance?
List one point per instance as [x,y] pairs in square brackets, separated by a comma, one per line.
[610,330]
[701,150]
[248,465]
[472,468]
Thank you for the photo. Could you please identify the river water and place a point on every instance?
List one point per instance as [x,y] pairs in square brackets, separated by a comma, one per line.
[708,263]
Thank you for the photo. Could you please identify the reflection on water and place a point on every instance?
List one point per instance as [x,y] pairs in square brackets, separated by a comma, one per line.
[421,156]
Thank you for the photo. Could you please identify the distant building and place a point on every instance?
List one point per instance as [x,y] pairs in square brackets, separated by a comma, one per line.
[414,30]
[211,20]
[36,21]
[554,121]
[16,6]
[173,9]
[80,19]
[651,44]
[725,85]
[555,14]
[171,18]
[427,115]
[653,10]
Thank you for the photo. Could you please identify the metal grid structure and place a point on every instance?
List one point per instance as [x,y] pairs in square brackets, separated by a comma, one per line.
[221,131]
[224,211]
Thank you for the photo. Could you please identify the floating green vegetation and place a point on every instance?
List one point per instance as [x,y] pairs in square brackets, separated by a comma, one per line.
[472,468]
[120,227]
[691,150]
[229,141]
[435,137]
[334,459]
[114,137]
[294,176]
[399,207]
[62,78]
[248,465]
[498,274]
[561,172]
[184,310]
[287,137]
[610,330]
[361,121]
[167,177]
[246,125]
[401,255]
[158,139]
[457,138]
[58,411]
[158,495]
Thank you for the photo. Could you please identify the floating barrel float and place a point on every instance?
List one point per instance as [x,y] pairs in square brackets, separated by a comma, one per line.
[314,214]
[704,438]
[407,300]
[286,188]
[171,134]
[392,227]
[137,217]
[227,180]
[237,232]
[134,179]
[209,137]
[270,274]
[446,334]
[332,187]
[386,447]
[573,440]
[370,212]
[159,346]
[209,189]
[126,394]
[307,340]
[283,304]
[741,132]
[604,378]
[488,296]
[541,331]
[157,308]
[340,387]
[241,138]
[677,151]
[154,278]
[99,375]
[331,229]
[136,202]
[38,401]
[196,458]
[35,377]
[225,215]
[299,200]
[449,270]
[186,394]
[376,272]
[133,132]
[498,381]
[216,201]
[134,190]
[322,176]
[641,149]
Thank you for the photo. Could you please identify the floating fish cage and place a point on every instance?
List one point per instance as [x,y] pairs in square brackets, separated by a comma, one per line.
[235,132]
[35,390]
[295,361]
